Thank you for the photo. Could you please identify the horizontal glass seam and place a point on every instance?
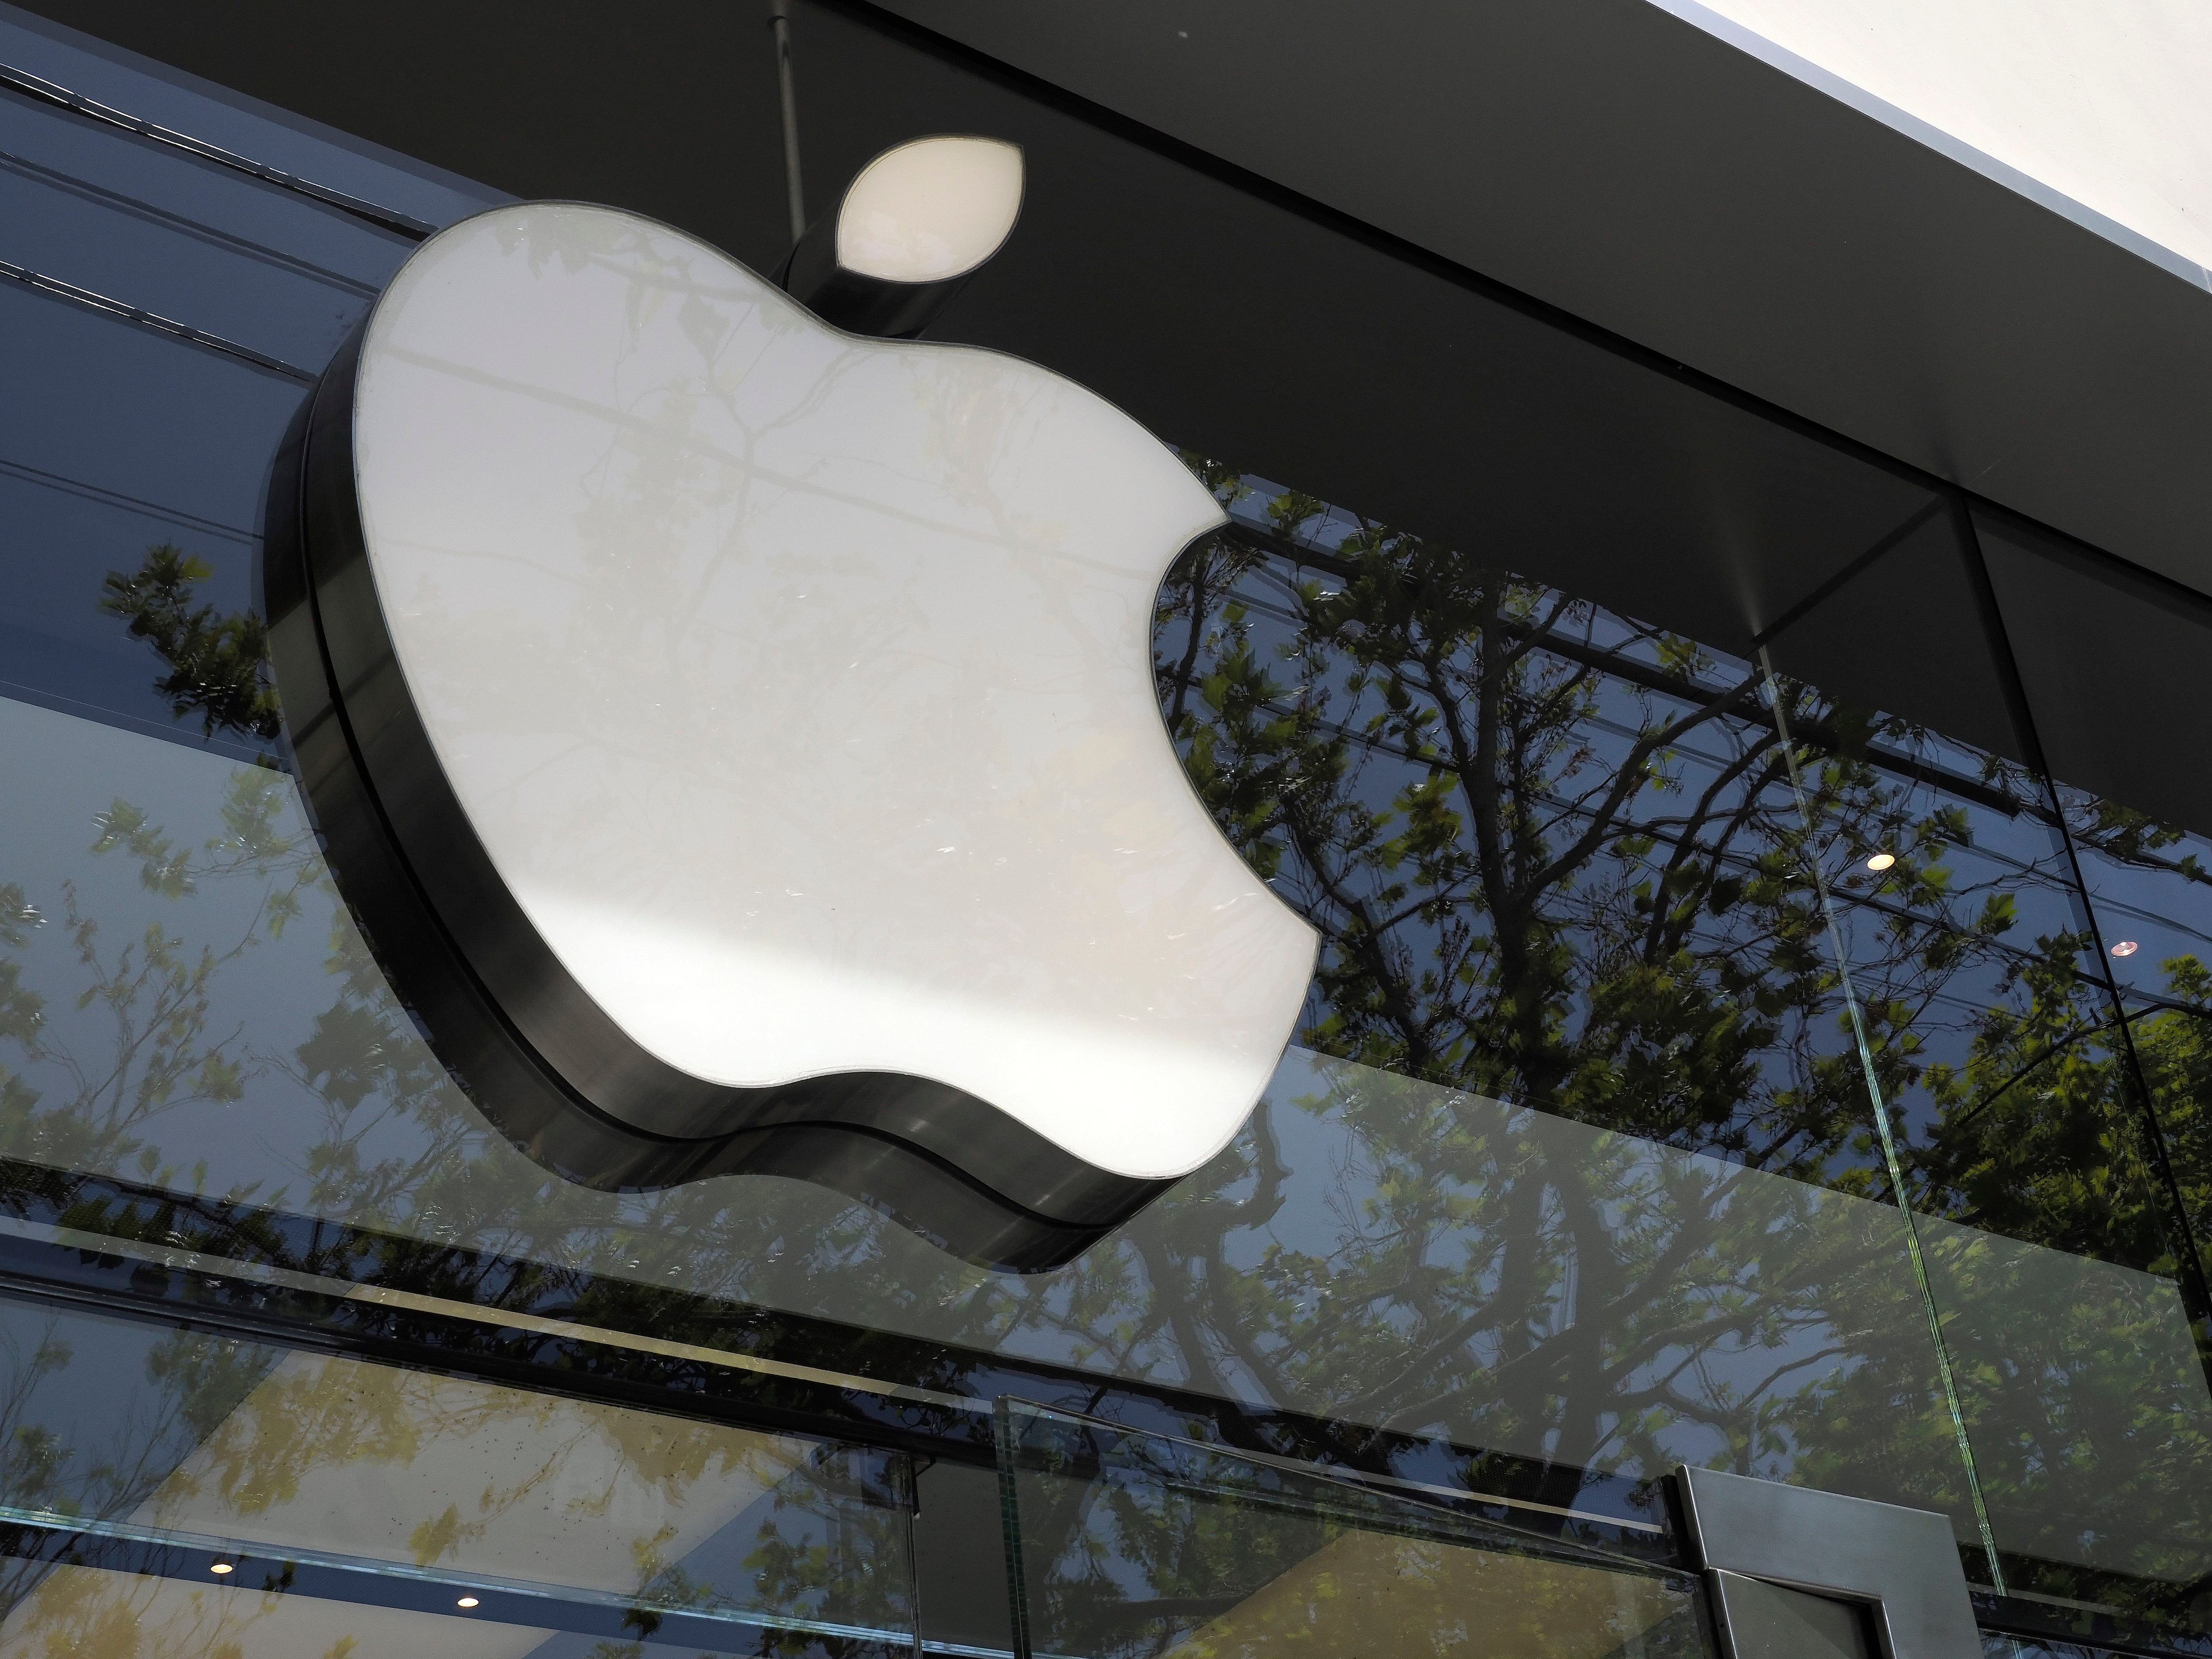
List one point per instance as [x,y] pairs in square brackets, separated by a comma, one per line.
[75,1239]
[56,1522]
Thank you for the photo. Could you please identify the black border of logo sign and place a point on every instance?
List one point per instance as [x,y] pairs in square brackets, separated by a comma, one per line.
[539,1057]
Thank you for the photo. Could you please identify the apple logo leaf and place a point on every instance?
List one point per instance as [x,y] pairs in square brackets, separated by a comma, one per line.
[737,738]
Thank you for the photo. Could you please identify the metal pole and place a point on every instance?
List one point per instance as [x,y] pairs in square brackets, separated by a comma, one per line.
[780,11]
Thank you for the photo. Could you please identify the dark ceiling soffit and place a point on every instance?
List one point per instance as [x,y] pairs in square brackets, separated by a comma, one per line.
[874,15]
[1934,137]
[1745,215]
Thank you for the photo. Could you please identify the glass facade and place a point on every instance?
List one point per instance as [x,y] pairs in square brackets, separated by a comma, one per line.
[1760,1022]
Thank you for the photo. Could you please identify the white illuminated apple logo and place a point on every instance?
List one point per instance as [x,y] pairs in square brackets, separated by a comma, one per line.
[797,687]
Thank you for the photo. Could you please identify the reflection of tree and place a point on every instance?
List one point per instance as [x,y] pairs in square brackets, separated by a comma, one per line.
[211,1437]
[2032,1137]
[1536,880]
[157,991]
[218,664]
[2087,1417]
[2174,1046]
[394,1138]
[1557,862]
[21,1010]
[2082,1432]
[2136,840]
[195,1381]
[1130,1550]
[120,1615]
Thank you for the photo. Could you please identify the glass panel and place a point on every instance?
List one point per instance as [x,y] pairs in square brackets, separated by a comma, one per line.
[152,92]
[145,617]
[124,443]
[127,176]
[2174,1046]
[259,1058]
[138,415]
[286,1027]
[2084,1383]
[192,1010]
[1997,1646]
[211,1489]
[1546,845]
[127,250]
[1575,1162]
[2116,662]
[1989,1029]
[1992,1038]
[2089,1414]
[1128,1545]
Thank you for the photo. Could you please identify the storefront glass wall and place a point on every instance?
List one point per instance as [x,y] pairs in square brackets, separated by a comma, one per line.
[1759,1021]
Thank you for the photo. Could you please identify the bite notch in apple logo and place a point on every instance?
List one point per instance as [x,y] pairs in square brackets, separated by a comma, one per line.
[737,735]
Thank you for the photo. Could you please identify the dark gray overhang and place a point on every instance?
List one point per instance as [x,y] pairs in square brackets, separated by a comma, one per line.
[1763,226]
[1748,219]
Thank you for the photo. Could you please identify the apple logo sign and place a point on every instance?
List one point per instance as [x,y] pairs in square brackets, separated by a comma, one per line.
[737,736]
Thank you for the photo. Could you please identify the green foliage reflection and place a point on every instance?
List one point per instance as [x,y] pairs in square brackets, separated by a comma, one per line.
[1558,865]
[217,663]
[1554,860]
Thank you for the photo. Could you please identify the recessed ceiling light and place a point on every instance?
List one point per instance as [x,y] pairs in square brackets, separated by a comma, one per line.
[2126,947]
[1881,861]
[466,1601]
[220,1568]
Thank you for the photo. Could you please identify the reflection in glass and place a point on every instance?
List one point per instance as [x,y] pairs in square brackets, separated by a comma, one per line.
[1556,855]
[166,640]
[2088,1414]
[1989,1034]
[1129,1544]
[92,1610]
[2115,665]
[2173,1043]
[2150,884]
[1575,1162]
[93,204]
[1373,1247]
[1553,854]
[1683,1251]
[162,1477]
[1550,849]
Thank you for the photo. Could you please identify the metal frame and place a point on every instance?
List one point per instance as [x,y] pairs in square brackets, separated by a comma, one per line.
[1903,1564]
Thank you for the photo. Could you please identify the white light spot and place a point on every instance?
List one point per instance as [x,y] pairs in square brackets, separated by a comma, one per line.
[930,210]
